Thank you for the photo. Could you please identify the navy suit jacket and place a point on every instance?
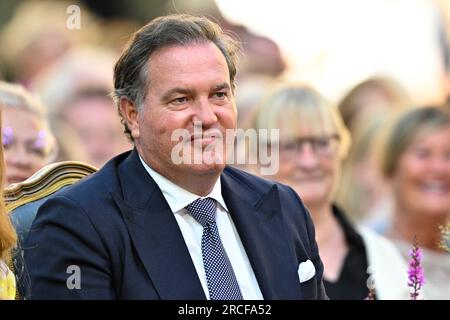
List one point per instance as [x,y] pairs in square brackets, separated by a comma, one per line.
[118,231]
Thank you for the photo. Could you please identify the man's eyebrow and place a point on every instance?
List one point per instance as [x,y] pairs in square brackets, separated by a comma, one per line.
[175,90]
[221,86]
[179,90]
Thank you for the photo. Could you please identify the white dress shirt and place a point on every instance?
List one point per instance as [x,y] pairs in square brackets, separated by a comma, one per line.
[178,198]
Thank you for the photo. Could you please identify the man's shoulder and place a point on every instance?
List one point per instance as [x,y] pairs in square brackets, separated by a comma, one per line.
[96,186]
[85,205]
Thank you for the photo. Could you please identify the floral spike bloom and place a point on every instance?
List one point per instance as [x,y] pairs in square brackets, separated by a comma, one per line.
[416,277]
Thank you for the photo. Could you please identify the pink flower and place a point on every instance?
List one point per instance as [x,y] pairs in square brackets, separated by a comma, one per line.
[416,278]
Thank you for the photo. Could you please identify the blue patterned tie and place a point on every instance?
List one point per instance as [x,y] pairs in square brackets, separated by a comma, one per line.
[220,277]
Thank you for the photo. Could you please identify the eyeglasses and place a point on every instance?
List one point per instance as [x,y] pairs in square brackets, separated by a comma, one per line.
[325,146]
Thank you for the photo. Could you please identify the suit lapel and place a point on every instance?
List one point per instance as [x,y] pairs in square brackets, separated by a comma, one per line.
[155,233]
[258,219]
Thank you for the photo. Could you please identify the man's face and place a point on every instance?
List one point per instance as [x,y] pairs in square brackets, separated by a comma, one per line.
[187,84]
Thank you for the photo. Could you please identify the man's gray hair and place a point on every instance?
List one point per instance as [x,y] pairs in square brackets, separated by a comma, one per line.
[131,71]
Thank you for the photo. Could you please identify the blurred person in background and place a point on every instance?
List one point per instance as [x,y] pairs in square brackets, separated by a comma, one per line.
[374,96]
[364,110]
[249,93]
[313,144]
[363,190]
[82,113]
[90,118]
[262,56]
[26,137]
[416,161]
[8,240]
[37,35]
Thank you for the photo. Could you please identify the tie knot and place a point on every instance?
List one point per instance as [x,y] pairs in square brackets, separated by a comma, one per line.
[203,210]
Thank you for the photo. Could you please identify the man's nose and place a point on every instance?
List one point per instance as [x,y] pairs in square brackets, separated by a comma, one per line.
[205,113]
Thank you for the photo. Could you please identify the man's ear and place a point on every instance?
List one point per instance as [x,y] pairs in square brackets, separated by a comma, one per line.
[130,115]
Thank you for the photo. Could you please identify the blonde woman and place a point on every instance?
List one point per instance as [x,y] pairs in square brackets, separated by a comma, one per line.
[7,241]
[416,162]
[27,140]
[313,143]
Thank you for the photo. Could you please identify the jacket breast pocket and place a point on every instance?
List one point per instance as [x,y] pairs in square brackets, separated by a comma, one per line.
[308,289]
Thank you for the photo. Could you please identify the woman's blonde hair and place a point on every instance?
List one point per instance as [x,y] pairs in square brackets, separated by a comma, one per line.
[8,235]
[404,130]
[293,106]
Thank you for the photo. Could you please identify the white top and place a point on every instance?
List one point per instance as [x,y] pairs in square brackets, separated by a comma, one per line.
[178,198]
[436,269]
[389,270]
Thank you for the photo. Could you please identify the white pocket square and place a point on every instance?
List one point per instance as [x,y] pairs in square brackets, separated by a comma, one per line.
[306,271]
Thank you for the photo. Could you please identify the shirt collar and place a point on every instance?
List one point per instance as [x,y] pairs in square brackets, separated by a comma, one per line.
[177,197]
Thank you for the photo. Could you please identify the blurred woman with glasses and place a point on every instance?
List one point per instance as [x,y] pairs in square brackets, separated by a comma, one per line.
[313,143]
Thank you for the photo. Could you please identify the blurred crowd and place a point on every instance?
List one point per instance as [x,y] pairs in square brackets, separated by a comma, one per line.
[372,167]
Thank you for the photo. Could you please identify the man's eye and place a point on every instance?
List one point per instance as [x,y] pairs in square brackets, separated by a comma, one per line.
[180,100]
[221,95]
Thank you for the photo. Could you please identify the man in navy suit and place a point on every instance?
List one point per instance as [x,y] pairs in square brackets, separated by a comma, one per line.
[147,226]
